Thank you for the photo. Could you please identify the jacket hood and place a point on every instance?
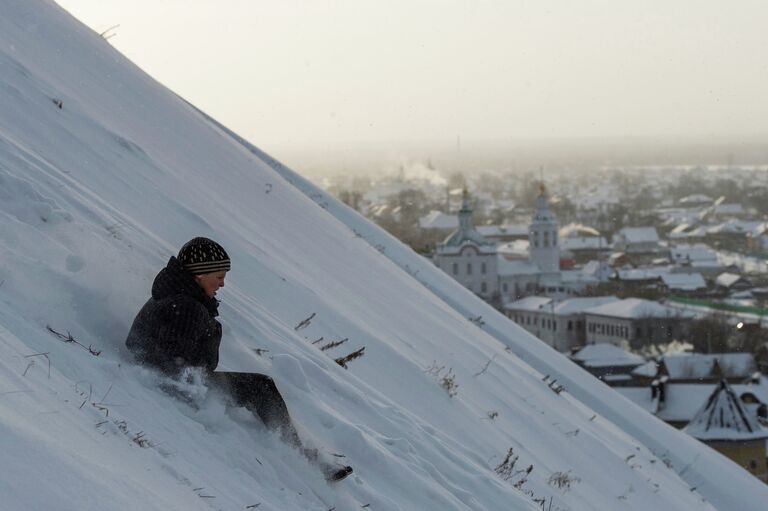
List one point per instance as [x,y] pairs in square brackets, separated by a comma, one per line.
[174,280]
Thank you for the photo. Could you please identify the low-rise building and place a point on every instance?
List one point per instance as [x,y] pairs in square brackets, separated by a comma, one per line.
[635,321]
[683,284]
[559,324]
[637,240]
[724,424]
[609,363]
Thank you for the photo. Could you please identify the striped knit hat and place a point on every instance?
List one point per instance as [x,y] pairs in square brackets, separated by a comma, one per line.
[201,255]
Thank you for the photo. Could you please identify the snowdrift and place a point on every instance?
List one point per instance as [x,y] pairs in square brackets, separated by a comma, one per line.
[104,174]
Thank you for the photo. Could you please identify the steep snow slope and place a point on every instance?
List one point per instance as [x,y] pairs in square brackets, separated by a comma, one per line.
[97,194]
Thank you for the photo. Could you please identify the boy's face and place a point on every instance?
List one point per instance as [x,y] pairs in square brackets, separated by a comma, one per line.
[211,282]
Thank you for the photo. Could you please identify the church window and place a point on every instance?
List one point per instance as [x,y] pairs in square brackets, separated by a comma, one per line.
[570,325]
[483,287]
[469,268]
[546,239]
[505,287]
[482,268]
[554,325]
[455,268]
[536,239]
[554,238]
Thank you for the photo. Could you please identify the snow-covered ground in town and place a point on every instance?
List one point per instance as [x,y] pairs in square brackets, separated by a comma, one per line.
[104,174]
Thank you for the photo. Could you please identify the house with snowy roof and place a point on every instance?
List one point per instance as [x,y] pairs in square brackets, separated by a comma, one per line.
[683,284]
[732,234]
[637,240]
[582,244]
[706,368]
[724,424]
[439,221]
[696,201]
[729,210]
[634,321]
[731,282]
[609,363]
[677,403]
[687,254]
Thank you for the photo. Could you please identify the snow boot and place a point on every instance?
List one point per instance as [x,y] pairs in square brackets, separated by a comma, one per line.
[335,474]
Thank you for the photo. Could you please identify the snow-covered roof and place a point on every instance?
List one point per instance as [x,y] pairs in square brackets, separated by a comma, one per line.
[696,199]
[649,369]
[642,273]
[606,355]
[590,243]
[438,220]
[729,209]
[514,250]
[638,235]
[578,305]
[690,253]
[688,232]
[503,230]
[688,366]
[578,231]
[723,417]
[632,308]
[734,227]
[727,279]
[683,400]
[529,303]
[684,281]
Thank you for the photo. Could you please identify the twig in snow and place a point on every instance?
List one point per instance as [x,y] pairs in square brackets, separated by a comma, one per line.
[317,341]
[342,361]
[305,323]
[253,506]
[105,34]
[485,367]
[260,351]
[333,344]
[69,339]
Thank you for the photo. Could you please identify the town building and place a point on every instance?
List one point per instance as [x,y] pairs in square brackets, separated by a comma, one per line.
[559,324]
[500,273]
[637,241]
[469,257]
[635,321]
[609,363]
[724,424]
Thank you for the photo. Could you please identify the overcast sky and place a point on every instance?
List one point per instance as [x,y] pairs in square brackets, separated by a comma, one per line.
[322,73]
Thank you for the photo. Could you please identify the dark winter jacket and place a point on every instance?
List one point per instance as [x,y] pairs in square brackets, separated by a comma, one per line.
[176,327]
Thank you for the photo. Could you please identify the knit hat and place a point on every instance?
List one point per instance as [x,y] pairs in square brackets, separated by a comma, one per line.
[201,255]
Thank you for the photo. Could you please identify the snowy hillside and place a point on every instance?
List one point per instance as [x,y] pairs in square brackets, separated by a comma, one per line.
[104,174]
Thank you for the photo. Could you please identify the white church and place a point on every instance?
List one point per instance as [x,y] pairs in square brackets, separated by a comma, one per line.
[509,271]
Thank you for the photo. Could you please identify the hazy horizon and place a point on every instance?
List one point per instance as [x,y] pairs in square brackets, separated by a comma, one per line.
[309,76]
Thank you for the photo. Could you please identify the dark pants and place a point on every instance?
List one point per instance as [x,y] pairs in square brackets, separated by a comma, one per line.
[258,393]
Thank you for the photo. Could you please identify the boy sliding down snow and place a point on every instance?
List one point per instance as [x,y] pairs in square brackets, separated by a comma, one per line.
[177,328]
